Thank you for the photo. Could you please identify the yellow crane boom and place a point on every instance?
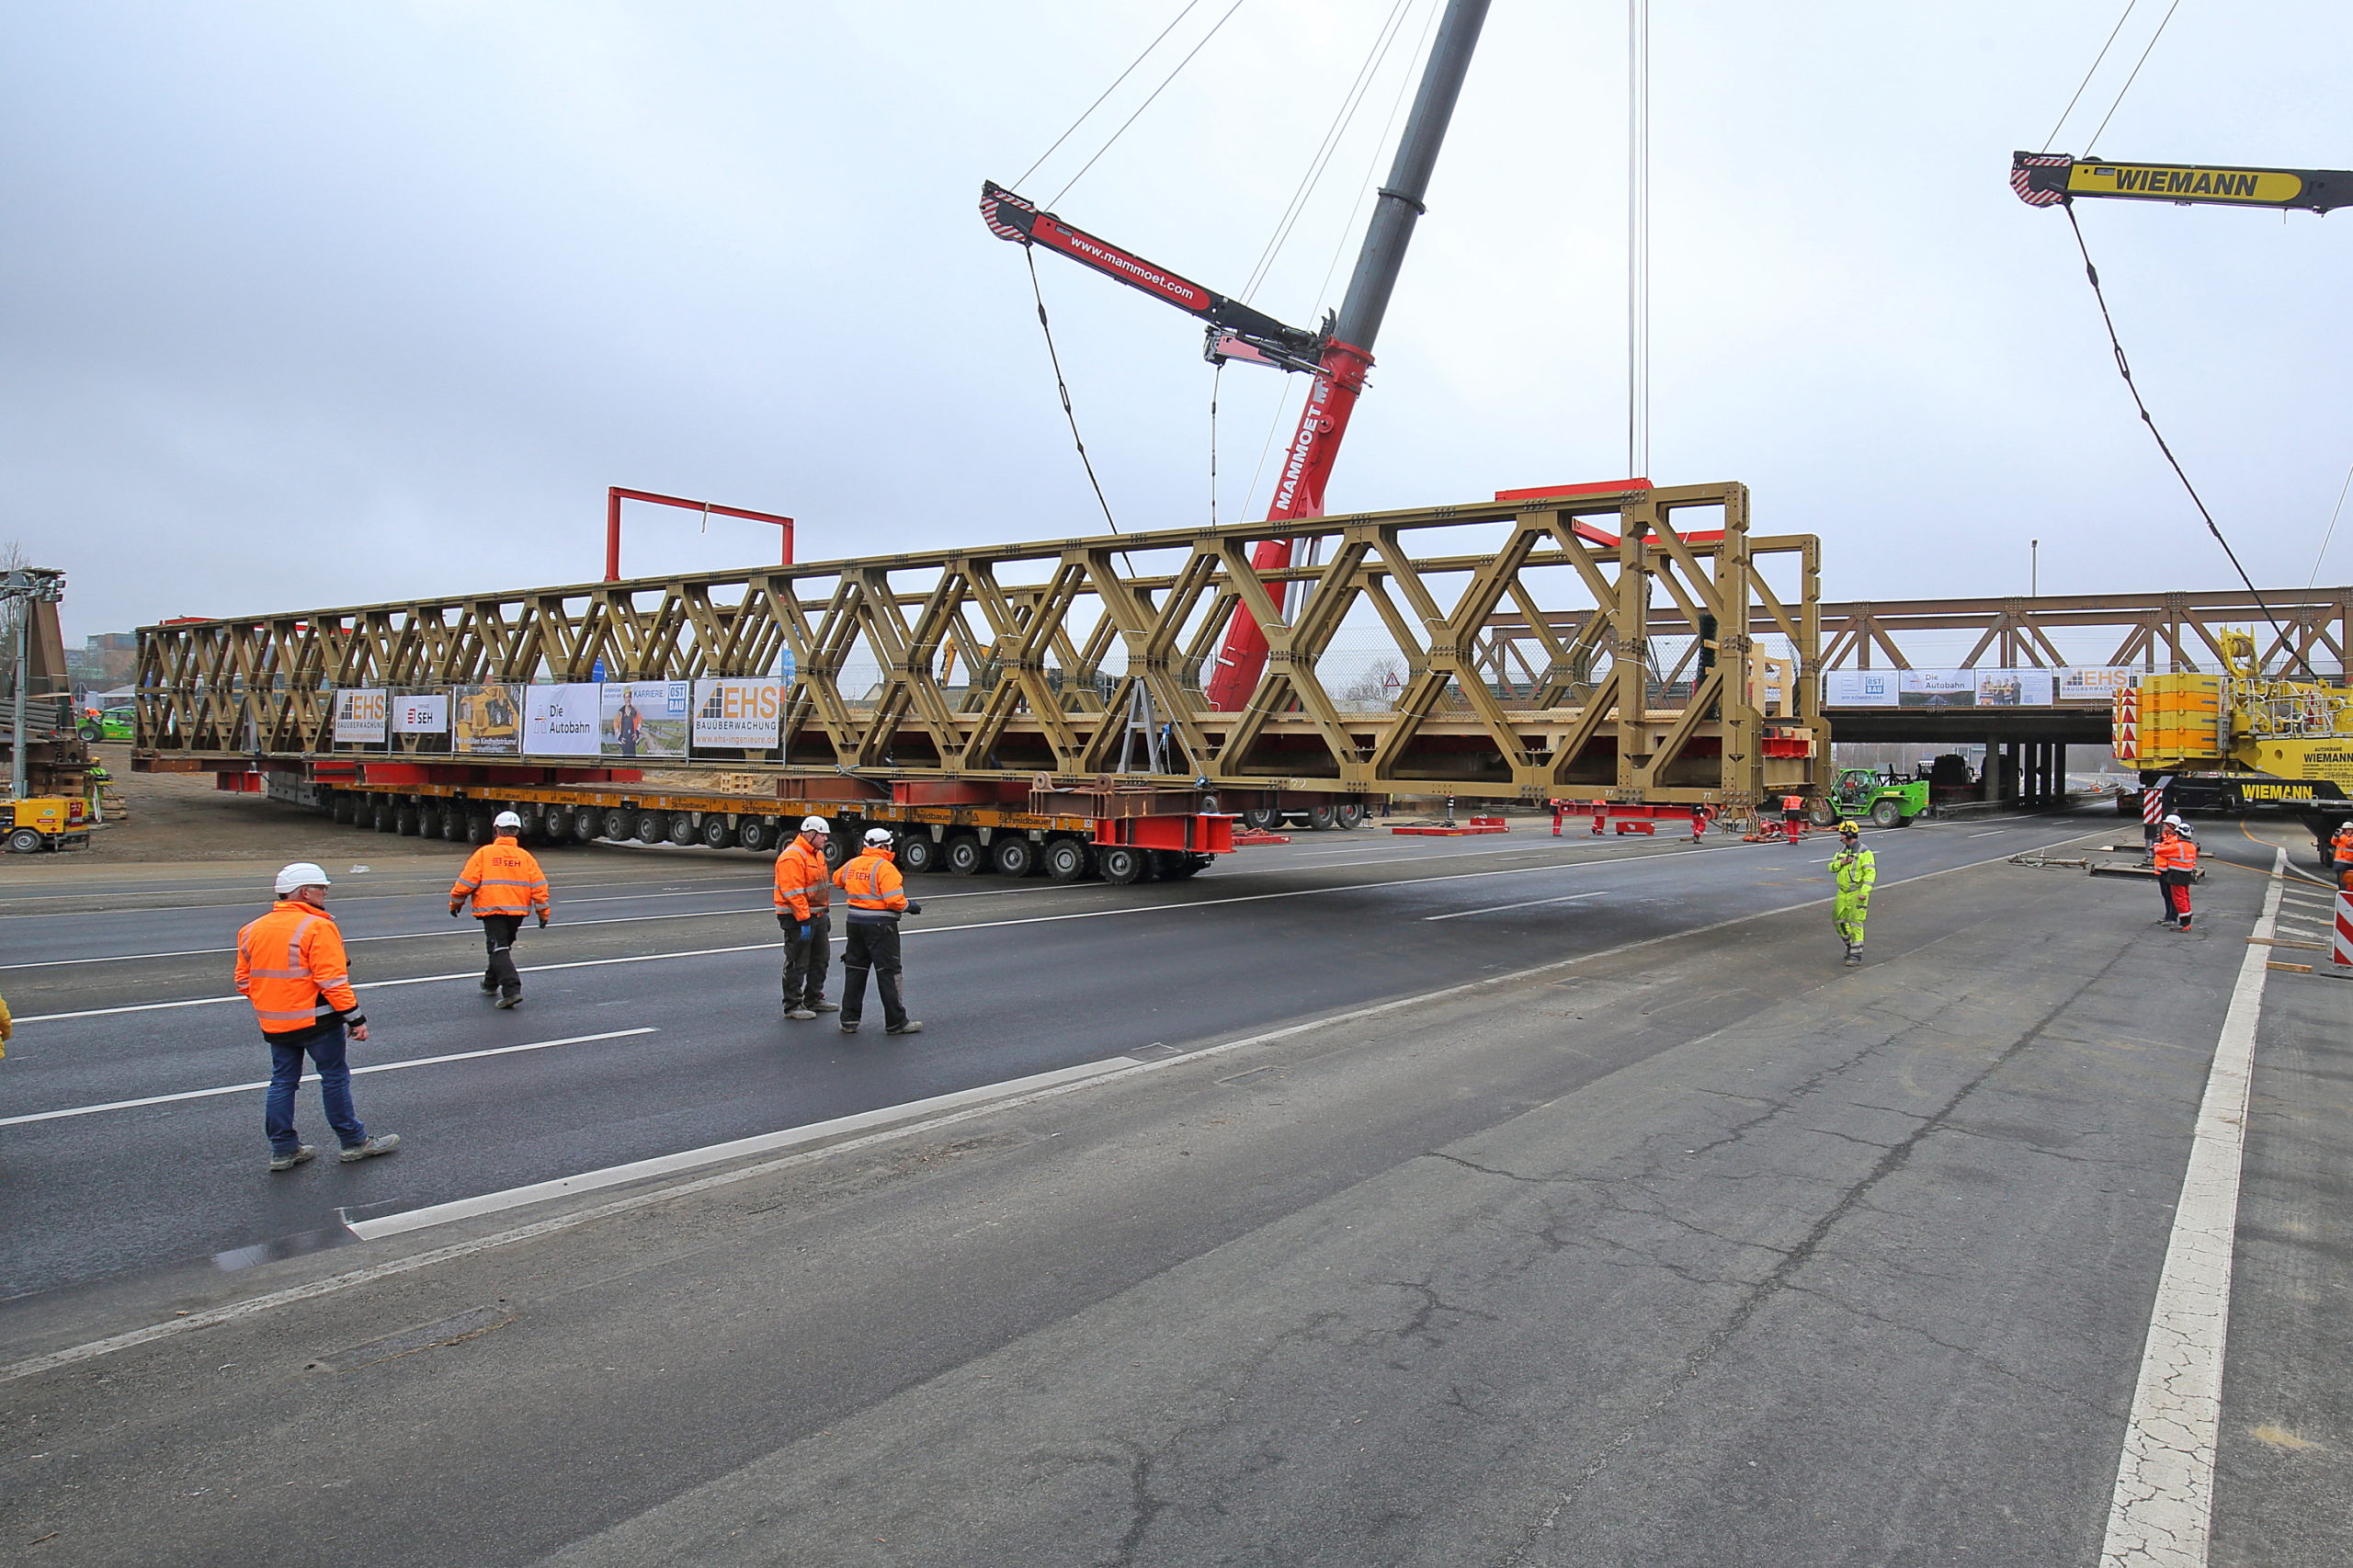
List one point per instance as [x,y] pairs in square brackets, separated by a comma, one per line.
[2047,179]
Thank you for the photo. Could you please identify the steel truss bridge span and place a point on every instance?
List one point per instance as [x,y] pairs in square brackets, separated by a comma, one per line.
[1086,657]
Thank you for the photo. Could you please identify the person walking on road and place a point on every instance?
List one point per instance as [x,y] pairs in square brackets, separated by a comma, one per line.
[804,895]
[1856,870]
[877,897]
[291,966]
[1793,815]
[2176,863]
[504,883]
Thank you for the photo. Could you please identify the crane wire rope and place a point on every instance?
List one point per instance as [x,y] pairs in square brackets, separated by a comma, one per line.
[1638,238]
[2130,5]
[1107,92]
[2133,78]
[2124,367]
[1341,118]
[2331,528]
[1175,72]
[1366,188]
[1062,387]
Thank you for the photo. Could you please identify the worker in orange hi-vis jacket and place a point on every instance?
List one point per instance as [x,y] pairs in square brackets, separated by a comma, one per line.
[291,966]
[2176,863]
[876,897]
[2340,849]
[502,883]
[805,896]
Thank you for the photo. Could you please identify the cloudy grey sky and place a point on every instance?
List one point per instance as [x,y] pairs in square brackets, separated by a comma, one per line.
[308,305]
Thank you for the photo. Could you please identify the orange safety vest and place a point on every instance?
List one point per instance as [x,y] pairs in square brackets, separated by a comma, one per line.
[2343,844]
[802,884]
[873,884]
[2176,853]
[503,879]
[291,966]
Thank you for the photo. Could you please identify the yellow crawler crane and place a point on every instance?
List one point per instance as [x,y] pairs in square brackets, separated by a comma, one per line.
[2242,741]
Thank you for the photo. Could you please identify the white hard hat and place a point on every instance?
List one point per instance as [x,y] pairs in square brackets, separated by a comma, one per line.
[815,825]
[2176,821]
[878,836]
[506,819]
[301,874]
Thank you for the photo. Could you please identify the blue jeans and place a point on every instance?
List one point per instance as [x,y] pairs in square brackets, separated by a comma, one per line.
[335,1089]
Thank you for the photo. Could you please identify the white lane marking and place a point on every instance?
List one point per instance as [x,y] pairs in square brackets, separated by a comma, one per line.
[1526,903]
[1989,832]
[715,1153]
[313,1077]
[2163,1501]
[390,1267]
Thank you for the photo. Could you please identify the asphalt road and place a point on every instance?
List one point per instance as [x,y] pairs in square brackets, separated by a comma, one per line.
[1673,1242]
[1010,979]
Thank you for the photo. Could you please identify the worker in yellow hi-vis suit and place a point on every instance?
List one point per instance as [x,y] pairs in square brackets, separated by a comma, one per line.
[1855,872]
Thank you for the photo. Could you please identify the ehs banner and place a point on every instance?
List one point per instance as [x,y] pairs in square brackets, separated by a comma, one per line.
[746,712]
[360,716]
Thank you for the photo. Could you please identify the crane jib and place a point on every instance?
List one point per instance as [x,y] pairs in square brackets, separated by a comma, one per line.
[2045,180]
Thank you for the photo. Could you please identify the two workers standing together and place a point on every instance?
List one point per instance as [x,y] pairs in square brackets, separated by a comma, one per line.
[876,897]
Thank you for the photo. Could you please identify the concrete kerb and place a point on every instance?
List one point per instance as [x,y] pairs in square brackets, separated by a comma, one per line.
[658,1190]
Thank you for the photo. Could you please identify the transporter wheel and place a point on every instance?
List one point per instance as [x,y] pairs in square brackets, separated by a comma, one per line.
[1014,856]
[617,824]
[555,824]
[1323,819]
[756,833]
[346,808]
[377,814]
[1261,818]
[1067,858]
[1886,813]
[453,823]
[1349,816]
[1176,865]
[962,856]
[1122,863]
[838,847]
[478,829]
[682,829]
[408,819]
[716,834]
[651,827]
[917,853]
[24,841]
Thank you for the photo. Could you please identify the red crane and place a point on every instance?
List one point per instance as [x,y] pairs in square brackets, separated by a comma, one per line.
[1338,356]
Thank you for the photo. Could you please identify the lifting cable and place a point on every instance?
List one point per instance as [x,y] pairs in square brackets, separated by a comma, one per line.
[2086,82]
[1638,238]
[1109,90]
[1062,387]
[2331,534]
[2124,367]
[1172,75]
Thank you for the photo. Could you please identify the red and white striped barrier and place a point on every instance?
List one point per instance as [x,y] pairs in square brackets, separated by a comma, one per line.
[2341,947]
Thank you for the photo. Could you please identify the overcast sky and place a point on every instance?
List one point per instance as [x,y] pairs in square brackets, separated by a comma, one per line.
[311,305]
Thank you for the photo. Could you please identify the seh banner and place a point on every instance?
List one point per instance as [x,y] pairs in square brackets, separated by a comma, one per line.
[561,720]
[746,714]
[360,716]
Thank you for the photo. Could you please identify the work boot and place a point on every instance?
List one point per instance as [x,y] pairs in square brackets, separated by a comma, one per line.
[512,999]
[487,984]
[377,1144]
[910,1027]
[2184,926]
[1854,957]
[823,1007]
[287,1162]
[802,1013]
[849,1028]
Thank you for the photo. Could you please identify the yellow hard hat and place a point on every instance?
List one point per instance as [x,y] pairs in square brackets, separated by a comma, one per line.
[1850,826]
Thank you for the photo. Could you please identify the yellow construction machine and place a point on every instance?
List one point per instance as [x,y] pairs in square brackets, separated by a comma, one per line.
[2242,742]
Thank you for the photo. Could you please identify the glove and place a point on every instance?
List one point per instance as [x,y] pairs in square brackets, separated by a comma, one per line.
[454,911]
[913,908]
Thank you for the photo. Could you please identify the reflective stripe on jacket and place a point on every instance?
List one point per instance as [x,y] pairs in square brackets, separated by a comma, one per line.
[1857,871]
[876,889]
[2176,853]
[503,879]
[291,966]
[804,885]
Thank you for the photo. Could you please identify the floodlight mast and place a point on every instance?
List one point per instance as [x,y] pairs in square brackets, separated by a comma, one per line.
[1338,357]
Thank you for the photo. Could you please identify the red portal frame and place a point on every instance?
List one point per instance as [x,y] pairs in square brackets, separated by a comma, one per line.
[615,495]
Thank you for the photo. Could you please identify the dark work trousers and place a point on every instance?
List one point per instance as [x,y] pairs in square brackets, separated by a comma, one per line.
[805,958]
[872,945]
[498,934]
